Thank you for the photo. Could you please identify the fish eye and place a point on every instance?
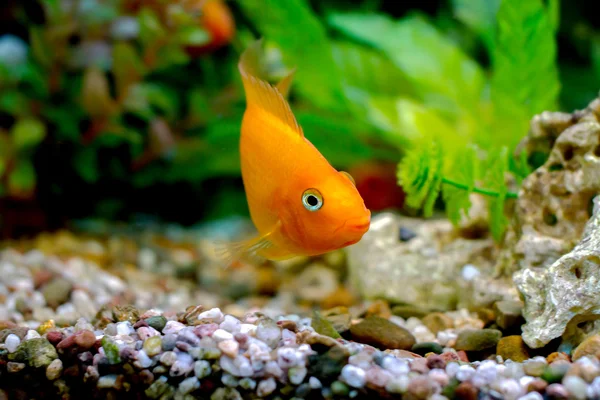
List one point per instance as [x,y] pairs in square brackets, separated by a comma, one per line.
[312,199]
[347,175]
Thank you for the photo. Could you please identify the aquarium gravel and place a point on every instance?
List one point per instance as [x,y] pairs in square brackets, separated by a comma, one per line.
[76,321]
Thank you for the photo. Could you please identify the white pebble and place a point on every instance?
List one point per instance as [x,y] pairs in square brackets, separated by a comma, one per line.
[214,314]
[107,381]
[231,324]
[172,327]
[487,370]
[526,380]
[124,328]
[273,369]
[239,366]
[220,334]
[202,369]
[452,369]
[465,372]
[183,365]
[266,387]
[576,386]
[532,396]
[229,380]
[54,370]
[395,365]
[142,360]
[229,347]
[248,329]
[314,383]
[297,375]
[470,272]
[398,384]
[354,376]
[11,343]
[438,375]
[32,334]
[268,333]
[188,385]
[593,390]
[511,389]
[145,332]
[286,357]
[288,337]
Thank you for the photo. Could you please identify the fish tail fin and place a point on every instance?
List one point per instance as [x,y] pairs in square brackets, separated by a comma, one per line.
[262,94]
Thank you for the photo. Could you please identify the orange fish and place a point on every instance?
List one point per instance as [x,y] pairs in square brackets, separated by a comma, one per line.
[298,202]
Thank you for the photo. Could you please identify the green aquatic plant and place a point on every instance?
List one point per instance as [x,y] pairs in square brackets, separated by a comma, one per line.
[421,175]
[458,122]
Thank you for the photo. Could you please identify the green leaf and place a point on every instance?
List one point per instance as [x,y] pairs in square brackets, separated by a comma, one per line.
[365,70]
[66,120]
[147,99]
[479,16]
[85,162]
[22,176]
[27,133]
[14,102]
[340,139]
[464,171]
[169,56]
[128,69]
[150,26]
[297,31]
[420,175]
[406,121]
[525,76]
[495,180]
[442,74]
[554,14]
[40,47]
[322,326]
[192,36]
[2,166]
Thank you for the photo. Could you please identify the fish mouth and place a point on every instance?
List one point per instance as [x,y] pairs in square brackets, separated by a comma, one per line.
[359,224]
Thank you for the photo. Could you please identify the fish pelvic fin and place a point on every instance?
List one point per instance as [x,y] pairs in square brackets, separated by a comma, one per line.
[261,94]
[243,250]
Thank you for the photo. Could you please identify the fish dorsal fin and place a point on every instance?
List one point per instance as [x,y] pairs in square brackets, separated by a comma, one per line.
[262,94]
[284,85]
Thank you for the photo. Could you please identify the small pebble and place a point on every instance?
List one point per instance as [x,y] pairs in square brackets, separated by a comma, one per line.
[576,387]
[266,387]
[214,315]
[535,366]
[557,391]
[202,369]
[188,385]
[13,367]
[54,370]
[11,343]
[314,382]
[297,375]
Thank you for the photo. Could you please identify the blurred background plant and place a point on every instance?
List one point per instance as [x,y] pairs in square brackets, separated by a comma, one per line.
[117,108]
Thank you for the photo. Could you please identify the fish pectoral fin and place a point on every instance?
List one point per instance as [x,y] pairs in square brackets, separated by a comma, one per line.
[261,94]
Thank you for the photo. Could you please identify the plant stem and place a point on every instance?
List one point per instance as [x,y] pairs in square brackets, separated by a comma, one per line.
[487,192]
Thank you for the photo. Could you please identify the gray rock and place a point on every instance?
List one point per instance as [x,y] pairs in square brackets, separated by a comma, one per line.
[381,264]
[565,295]
[554,201]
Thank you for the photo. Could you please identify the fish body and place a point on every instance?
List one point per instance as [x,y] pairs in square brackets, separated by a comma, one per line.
[298,202]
